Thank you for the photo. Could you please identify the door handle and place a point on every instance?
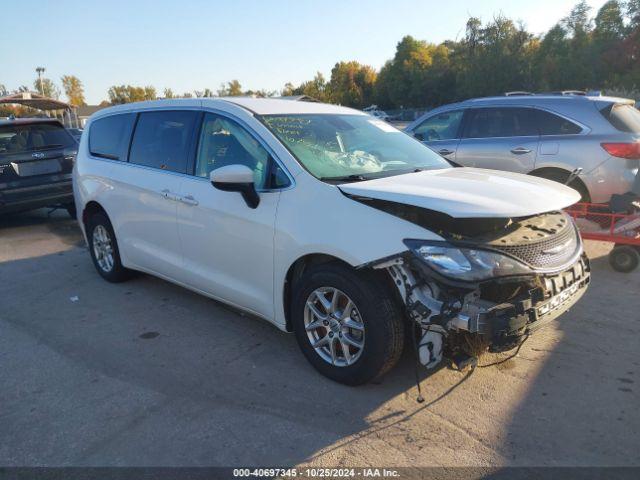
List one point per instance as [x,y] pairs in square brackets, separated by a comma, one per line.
[166,193]
[445,151]
[520,151]
[188,200]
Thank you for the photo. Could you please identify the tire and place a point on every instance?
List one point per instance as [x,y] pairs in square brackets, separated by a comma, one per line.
[376,310]
[561,177]
[99,224]
[624,258]
[71,210]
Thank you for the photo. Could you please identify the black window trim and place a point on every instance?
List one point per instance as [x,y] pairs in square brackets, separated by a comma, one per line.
[584,129]
[191,162]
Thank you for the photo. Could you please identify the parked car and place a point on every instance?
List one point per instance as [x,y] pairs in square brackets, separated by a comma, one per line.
[374,111]
[76,133]
[36,160]
[328,223]
[547,136]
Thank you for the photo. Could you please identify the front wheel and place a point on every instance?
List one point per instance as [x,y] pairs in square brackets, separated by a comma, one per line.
[348,326]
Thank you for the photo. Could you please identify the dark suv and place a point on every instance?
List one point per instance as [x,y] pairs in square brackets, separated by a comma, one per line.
[36,160]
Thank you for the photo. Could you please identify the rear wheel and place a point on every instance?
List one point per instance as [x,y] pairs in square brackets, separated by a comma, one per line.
[346,323]
[624,258]
[104,249]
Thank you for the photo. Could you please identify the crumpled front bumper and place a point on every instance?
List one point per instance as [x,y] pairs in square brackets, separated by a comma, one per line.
[503,324]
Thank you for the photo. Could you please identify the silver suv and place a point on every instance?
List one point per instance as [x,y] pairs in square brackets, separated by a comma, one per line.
[547,135]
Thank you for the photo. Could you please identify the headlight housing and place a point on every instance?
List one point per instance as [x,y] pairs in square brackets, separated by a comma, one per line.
[466,264]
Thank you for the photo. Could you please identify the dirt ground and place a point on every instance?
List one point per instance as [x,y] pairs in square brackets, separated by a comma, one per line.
[147,373]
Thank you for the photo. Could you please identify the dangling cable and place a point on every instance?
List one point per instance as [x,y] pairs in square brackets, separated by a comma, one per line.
[420,398]
[513,355]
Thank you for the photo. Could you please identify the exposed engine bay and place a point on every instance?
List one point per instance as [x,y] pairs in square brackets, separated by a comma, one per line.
[531,270]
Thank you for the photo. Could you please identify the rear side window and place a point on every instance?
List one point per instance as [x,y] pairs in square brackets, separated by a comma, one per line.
[22,138]
[501,122]
[625,118]
[109,136]
[162,140]
[550,124]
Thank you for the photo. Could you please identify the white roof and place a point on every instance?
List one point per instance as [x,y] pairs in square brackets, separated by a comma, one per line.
[260,106]
[267,106]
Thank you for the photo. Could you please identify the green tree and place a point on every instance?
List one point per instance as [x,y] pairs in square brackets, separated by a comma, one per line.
[128,93]
[633,13]
[168,93]
[73,89]
[230,89]
[316,88]
[351,84]
[47,88]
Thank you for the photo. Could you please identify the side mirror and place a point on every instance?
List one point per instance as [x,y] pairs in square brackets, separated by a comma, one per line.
[236,178]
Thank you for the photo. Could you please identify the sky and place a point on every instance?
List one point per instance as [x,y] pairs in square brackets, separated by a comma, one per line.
[194,44]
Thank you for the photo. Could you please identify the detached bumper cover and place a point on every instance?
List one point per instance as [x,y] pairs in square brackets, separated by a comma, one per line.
[505,323]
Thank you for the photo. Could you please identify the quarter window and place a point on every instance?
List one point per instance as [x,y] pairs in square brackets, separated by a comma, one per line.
[162,139]
[501,122]
[224,142]
[443,126]
[550,124]
[109,136]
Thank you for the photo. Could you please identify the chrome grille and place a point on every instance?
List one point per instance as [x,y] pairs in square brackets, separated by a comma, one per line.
[553,251]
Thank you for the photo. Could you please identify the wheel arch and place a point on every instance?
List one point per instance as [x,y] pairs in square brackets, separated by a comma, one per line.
[295,271]
[91,208]
[301,264]
[559,172]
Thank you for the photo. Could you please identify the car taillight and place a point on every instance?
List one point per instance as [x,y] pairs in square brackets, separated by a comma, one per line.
[629,151]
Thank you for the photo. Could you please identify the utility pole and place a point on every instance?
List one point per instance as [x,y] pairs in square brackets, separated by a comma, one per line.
[40,71]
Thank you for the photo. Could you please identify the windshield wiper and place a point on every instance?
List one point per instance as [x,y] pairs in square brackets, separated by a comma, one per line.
[345,178]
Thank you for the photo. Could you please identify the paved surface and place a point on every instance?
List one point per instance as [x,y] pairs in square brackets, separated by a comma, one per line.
[147,373]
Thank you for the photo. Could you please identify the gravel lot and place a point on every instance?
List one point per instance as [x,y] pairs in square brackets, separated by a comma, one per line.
[147,373]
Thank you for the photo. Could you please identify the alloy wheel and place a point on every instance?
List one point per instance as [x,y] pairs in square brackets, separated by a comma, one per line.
[334,326]
[102,248]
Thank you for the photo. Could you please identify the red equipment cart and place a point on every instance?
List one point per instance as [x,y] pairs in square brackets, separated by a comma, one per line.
[597,222]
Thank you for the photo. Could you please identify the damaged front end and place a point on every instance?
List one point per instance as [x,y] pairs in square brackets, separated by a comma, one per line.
[489,288]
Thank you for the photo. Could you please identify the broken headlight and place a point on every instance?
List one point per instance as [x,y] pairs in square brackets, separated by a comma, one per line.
[466,264]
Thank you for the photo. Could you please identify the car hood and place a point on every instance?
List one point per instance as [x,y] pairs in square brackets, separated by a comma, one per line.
[469,192]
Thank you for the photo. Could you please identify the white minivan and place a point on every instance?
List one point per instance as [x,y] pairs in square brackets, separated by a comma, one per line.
[329,223]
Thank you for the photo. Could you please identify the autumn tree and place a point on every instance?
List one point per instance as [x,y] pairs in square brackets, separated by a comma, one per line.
[351,84]
[128,93]
[230,89]
[73,89]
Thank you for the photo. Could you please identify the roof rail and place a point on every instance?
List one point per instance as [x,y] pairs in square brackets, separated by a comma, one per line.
[567,92]
[516,93]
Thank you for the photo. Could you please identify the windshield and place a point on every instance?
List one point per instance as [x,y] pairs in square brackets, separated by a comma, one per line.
[351,147]
[33,137]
